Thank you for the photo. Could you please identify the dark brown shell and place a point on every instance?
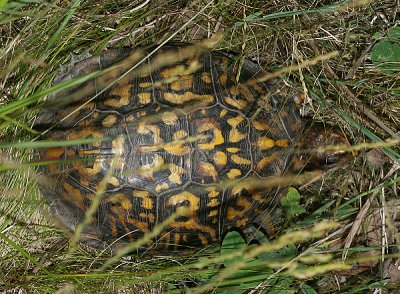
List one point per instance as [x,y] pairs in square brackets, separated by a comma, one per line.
[183,128]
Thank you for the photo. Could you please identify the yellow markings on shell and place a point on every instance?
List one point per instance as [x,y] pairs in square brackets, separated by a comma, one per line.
[282,142]
[192,204]
[223,113]
[256,86]
[123,92]
[223,78]
[122,200]
[176,148]
[118,145]
[144,128]
[83,181]
[162,187]
[235,121]
[265,143]
[206,77]
[89,132]
[53,153]
[233,149]
[148,216]
[266,161]
[220,158]
[88,172]
[179,134]
[203,239]
[233,213]
[186,97]
[169,72]
[240,160]
[241,185]
[244,90]
[218,139]
[147,202]
[213,212]
[260,125]
[147,170]
[144,98]
[176,174]
[141,113]
[123,210]
[242,222]
[74,196]
[236,136]
[178,71]
[182,83]
[118,150]
[213,203]
[113,181]
[213,192]
[145,85]
[109,121]
[207,169]
[169,117]
[233,173]
[237,103]
[233,90]
[183,196]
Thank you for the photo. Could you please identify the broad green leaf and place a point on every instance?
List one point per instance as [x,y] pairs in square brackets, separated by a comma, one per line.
[232,242]
[394,34]
[386,55]
[306,289]
[379,284]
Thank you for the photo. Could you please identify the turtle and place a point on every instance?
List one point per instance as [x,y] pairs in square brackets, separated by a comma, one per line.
[179,130]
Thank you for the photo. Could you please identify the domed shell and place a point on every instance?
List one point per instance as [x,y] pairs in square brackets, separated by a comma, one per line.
[182,127]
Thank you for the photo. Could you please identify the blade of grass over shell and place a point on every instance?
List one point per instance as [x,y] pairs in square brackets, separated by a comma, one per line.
[144,240]
[48,144]
[95,203]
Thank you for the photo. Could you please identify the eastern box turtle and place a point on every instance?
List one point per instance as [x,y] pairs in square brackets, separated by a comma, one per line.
[183,127]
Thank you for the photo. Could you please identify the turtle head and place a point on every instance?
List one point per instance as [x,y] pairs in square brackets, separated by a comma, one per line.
[321,147]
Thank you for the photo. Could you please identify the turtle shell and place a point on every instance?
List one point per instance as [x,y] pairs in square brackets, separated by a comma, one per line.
[151,131]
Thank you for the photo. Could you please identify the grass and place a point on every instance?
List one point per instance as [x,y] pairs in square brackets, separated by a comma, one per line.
[355,90]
